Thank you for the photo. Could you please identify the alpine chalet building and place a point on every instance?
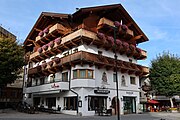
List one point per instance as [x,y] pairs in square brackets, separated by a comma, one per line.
[71,64]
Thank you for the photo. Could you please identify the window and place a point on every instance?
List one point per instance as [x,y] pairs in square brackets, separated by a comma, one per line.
[83,74]
[70,103]
[123,81]
[51,102]
[66,54]
[114,77]
[75,50]
[130,60]
[36,80]
[75,74]
[99,52]
[30,64]
[65,76]
[133,80]
[52,78]
[42,80]
[29,95]
[90,74]
[96,102]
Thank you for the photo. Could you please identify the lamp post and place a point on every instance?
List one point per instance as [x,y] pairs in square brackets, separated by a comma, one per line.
[115,56]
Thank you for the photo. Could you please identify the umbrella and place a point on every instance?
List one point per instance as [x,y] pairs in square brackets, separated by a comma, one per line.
[153,101]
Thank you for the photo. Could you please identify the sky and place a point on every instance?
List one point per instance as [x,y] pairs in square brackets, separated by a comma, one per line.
[158,19]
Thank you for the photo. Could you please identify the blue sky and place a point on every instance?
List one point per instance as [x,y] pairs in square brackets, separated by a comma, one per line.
[159,19]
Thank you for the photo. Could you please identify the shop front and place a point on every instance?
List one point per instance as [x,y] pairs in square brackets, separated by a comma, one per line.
[129,105]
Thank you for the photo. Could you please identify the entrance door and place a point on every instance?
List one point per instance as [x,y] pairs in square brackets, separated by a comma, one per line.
[129,105]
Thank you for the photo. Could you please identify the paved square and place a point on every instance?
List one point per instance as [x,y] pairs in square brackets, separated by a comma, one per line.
[14,115]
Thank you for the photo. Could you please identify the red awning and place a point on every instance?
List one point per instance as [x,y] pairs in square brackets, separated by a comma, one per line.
[153,101]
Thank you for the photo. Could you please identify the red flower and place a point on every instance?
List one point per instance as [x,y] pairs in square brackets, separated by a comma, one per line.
[58,40]
[45,47]
[117,23]
[41,34]
[46,30]
[40,50]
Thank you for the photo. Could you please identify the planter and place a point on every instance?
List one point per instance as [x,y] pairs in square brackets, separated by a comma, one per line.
[117,24]
[58,41]
[46,30]
[40,50]
[44,65]
[51,44]
[50,63]
[45,47]
[56,60]
[102,37]
[41,34]
[110,39]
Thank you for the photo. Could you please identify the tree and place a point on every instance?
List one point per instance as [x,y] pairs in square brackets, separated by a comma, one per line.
[165,75]
[11,60]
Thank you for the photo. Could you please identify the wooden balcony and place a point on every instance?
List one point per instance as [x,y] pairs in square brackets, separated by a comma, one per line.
[143,55]
[34,71]
[27,57]
[55,31]
[106,25]
[82,35]
[92,59]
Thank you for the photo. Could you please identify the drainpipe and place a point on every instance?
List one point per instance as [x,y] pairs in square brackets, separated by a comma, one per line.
[73,90]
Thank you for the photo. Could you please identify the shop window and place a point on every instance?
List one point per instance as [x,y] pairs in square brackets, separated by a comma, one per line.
[51,102]
[70,103]
[29,95]
[123,81]
[82,74]
[65,76]
[13,94]
[97,102]
[133,80]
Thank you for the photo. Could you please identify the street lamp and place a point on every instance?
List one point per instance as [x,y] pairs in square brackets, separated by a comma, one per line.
[115,56]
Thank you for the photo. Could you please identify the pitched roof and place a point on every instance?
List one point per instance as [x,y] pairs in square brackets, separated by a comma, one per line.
[45,19]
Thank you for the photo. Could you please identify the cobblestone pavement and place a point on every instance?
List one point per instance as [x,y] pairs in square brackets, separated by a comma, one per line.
[14,115]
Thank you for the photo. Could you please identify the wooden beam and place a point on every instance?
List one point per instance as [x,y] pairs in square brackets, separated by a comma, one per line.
[36,29]
[73,43]
[136,38]
[129,24]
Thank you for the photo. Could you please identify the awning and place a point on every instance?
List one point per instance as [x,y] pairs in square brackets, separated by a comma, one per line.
[153,102]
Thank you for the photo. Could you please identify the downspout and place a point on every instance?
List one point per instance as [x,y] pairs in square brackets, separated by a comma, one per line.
[73,90]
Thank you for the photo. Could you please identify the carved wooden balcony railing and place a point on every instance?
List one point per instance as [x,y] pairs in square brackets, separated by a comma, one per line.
[55,31]
[82,35]
[34,71]
[107,25]
[57,64]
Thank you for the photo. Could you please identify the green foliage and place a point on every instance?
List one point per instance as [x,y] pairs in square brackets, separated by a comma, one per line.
[11,60]
[165,74]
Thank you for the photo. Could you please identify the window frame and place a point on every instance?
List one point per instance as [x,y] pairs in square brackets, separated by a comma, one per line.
[134,80]
[87,76]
